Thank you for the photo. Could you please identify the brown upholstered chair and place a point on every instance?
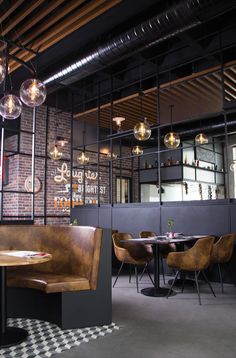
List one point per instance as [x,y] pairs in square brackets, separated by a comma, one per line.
[196,259]
[222,252]
[130,253]
[164,249]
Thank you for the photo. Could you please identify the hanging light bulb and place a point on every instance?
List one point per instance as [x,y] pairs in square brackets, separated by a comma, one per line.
[172,140]
[10,106]
[82,158]
[137,150]
[33,92]
[201,138]
[2,69]
[142,130]
[112,155]
[61,141]
[55,153]
[118,121]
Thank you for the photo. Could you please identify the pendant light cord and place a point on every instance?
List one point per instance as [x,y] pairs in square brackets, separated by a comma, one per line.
[141,91]
[171,117]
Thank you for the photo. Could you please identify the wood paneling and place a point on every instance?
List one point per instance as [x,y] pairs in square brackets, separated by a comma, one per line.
[192,96]
[39,24]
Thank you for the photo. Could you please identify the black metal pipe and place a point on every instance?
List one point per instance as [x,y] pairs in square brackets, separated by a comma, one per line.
[45,170]
[33,163]
[180,17]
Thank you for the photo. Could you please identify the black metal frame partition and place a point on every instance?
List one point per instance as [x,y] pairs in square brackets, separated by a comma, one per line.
[111,137]
[4,128]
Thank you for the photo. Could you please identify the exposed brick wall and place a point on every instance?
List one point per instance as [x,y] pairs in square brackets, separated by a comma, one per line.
[57,202]
[20,166]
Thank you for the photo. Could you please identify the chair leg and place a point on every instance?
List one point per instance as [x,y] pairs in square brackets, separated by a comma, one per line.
[136,275]
[208,282]
[140,278]
[173,282]
[183,281]
[197,286]
[149,274]
[163,273]
[221,281]
[130,272]
[118,274]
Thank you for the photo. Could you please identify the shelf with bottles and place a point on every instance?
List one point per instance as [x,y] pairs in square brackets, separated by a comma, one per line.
[208,168]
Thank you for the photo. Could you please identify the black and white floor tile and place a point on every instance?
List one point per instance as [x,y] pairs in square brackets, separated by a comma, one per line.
[46,338]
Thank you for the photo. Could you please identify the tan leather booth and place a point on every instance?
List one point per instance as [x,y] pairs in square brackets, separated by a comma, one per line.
[75,267]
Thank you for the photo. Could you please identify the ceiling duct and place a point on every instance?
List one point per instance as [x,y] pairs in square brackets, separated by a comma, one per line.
[178,18]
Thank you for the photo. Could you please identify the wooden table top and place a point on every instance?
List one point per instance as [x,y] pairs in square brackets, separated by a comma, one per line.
[20,258]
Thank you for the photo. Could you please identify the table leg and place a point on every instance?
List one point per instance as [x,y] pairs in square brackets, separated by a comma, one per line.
[157,290]
[9,336]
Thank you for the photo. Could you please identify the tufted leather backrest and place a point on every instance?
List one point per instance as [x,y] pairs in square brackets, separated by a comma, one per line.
[75,249]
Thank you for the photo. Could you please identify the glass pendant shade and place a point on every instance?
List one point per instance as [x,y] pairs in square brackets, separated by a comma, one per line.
[172,140]
[137,150]
[201,138]
[55,153]
[33,92]
[111,155]
[233,166]
[10,106]
[142,130]
[2,69]
[82,159]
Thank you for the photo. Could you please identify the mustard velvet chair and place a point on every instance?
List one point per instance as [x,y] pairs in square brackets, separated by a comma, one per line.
[197,259]
[131,253]
[164,249]
[222,252]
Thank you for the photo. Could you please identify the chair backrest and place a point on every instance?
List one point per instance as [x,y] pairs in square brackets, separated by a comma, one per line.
[200,254]
[138,251]
[223,249]
[146,234]
[118,236]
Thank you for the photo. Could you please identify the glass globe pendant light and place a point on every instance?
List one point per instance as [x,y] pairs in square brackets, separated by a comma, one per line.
[82,158]
[201,138]
[171,139]
[137,150]
[10,106]
[33,92]
[233,166]
[112,155]
[55,153]
[142,130]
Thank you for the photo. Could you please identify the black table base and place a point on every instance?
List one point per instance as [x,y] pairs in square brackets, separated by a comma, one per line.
[9,336]
[156,292]
[12,336]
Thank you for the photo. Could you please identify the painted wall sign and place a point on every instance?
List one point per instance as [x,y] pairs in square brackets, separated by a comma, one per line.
[28,184]
[76,174]
[81,192]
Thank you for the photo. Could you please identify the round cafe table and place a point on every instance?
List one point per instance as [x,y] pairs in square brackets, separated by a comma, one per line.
[13,335]
[157,290]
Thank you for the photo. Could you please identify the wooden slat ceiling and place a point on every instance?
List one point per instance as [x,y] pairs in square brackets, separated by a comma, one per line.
[193,96]
[39,24]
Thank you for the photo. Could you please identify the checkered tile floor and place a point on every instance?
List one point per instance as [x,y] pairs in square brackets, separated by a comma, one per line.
[46,338]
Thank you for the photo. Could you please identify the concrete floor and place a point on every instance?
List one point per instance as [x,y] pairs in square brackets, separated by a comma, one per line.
[156,327]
